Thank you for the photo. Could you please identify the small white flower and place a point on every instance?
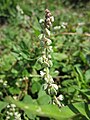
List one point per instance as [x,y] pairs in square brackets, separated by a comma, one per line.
[7,112]
[13,105]
[19,9]
[60,97]
[50,79]
[18,116]
[17,84]
[47,31]
[52,19]
[50,24]
[57,27]
[15,97]
[50,49]
[8,106]
[16,113]
[43,52]
[5,83]
[55,86]
[12,109]
[8,118]
[41,21]
[10,113]
[48,41]
[42,73]
[46,62]
[44,56]
[46,79]
[63,26]
[20,79]
[40,36]
[56,71]
[64,23]
[48,20]
[50,63]
[26,78]
[49,56]
[45,86]
[40,60]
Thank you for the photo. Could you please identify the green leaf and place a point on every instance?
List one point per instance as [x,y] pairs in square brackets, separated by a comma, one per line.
[87,75]
[83,108]
[3,105]
[43,98]
[80,74]
[36,24]
[28,100]
[51,111]
[59,56]
[35,87]
[41,93]
[83,57]
[13,90]
[25,73]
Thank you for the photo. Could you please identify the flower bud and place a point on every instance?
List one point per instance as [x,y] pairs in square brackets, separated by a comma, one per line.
[47,31]
[52,19]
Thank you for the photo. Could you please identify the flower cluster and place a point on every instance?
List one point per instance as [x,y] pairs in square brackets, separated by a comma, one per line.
[48,19]
[58,100]
[45,59]
[3,86]
[3,83]
[12,113]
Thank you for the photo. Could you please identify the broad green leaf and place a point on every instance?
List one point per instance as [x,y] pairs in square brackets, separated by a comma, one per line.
[41,93]
[14,90]
[80,74]
[36,25]
[83,57]
[35,87]
[28,100]
[43,98]
[59,56]
[87,75]
[3,105]
[83,108]
[51,111]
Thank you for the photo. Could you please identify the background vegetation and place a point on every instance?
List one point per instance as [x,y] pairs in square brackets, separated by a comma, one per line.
[20,81]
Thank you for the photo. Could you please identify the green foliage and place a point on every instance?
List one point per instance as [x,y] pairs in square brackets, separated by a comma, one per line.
[51,111]
[3,105]
[8,7]
[75,3]
[19,61]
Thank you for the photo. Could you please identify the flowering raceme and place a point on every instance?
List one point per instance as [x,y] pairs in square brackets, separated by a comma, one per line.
[46,58]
